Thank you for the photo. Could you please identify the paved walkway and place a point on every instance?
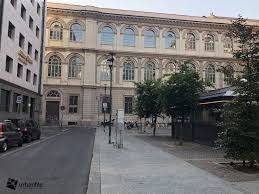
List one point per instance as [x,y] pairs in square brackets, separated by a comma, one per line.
[140,168]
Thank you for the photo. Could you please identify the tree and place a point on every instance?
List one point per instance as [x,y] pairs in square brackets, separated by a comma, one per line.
[181,92]
[148,102]
[240,135]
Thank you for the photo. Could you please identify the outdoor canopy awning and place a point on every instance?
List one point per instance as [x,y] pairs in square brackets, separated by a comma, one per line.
[222,95]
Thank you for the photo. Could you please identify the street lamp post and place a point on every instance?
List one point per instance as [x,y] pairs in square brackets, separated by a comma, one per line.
[104,108]
[110,62]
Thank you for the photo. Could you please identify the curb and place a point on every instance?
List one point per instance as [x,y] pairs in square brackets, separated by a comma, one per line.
[94,183]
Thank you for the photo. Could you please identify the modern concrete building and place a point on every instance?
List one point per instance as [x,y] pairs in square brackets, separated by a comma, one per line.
[146,45]
[21,48]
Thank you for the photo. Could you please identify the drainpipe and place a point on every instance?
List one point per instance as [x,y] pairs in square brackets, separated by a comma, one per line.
[42,50]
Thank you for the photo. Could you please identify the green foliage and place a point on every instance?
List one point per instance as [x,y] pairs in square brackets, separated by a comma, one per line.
[148,102]
[181,91]
[240,135]
[175,95]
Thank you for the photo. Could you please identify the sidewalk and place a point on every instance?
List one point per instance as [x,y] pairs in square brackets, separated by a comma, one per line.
[140,168]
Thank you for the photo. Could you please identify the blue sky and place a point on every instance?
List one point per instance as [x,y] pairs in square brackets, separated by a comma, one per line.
[231,8]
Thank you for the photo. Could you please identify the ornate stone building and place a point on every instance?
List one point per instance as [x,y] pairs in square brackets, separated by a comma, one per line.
[146,45]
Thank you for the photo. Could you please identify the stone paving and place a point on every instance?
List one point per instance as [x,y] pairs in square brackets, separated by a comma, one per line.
[201,156]
[142,168]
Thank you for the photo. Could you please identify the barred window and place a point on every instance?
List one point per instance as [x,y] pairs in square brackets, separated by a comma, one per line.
[128,105]
[56,31]
[54,66]
[107,35]
[170,40]
[190,42]
[149,72]
[209,43]
[53,93]
[74,68]
[73,104]
[76,32]
[149,39]
[128,71]
[210,74]
[129,37]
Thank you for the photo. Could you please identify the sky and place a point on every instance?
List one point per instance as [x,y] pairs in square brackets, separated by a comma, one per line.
[229,8]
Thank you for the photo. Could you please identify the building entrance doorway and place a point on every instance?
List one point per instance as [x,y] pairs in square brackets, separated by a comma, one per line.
[52,112]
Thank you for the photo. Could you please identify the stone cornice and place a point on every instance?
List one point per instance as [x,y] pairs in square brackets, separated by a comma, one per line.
[120,18]
[141,54]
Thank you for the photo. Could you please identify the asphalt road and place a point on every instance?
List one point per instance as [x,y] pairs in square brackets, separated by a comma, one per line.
[59,164]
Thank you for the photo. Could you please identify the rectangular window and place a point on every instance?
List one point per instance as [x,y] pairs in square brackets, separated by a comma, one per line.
[128,105]
[38,8]
[73,104]
[36,55]
[31,23]
[14,3]
[21,41]
[23,12]
[34,79]
[8,64]
[11,31]
[28,75]
[29,49]
[37,32]
[5,100]
[15,104]
[19,70]
[25,102]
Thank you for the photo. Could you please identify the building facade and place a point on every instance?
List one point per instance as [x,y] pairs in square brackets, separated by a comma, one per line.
[146,46]
[22,24]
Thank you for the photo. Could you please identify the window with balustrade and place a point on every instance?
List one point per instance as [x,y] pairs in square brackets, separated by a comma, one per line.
[56,31]
[54,66]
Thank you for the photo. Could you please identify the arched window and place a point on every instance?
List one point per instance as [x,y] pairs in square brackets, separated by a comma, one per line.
[191,66]
[107,35]
[170,68]
[128,71]
[56,31]
[129,37]
[170,40]
[54,66]
[76,32]
[190,42]
[149,39]
[104,71]
[229,74]
[228,45]
[74,68]
[210,74]
[53,93]
[149,71]
[209,43]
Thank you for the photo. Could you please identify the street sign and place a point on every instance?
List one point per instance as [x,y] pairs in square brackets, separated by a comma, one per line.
[105,105]
[19,99]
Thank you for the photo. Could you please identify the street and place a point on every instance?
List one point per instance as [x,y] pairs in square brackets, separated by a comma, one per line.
[58,164]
